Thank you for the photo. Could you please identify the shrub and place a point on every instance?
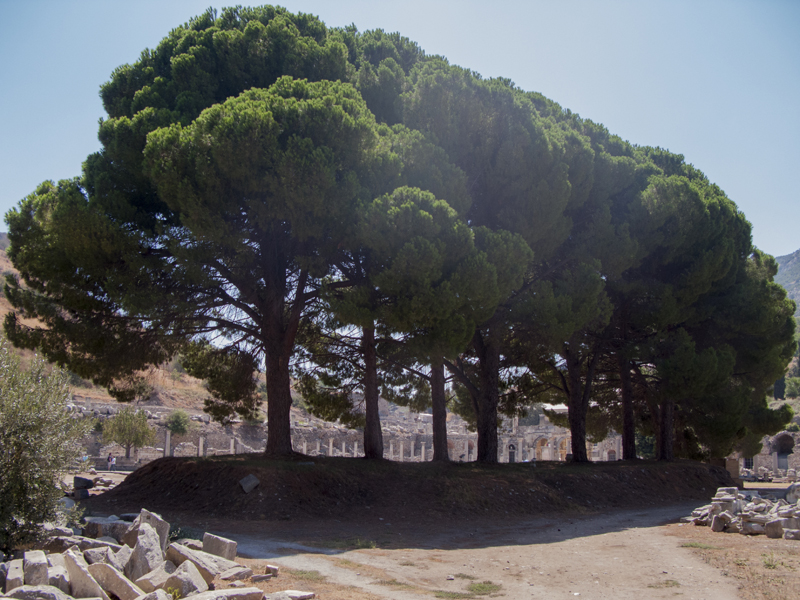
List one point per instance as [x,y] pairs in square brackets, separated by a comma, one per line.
[39,440]
[178,422]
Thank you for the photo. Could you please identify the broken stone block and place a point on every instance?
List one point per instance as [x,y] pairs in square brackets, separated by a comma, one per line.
[249,483]
[236,573]
[82,583]
[155,521]
[155,579]
[219,546]
[38,592]
[774,529]
[156,595]
[273,570]
[82,483]
[734,526]
[96,555]
[186,579]
[120,558]
[717,523]
[34,564]
[297,595]
[55,560]
[52,530]
[237,584]
[58,577]
[791,534]
[190,543]
[749,528]
[209,565]
[793,493]
[15,576]
[257,578]
[59,544]
[114,582]
[246,593]
[115,529]
[147,554]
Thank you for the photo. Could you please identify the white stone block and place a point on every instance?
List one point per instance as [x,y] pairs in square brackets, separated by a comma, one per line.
[82,583]
[114,582]
[209,565]
[147,554]
[219,546]
[58,577]
[15,576]
[155,579]
[186,579]
[35,565]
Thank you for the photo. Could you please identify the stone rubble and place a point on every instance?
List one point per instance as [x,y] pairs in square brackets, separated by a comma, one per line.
[746,512]
[130,558]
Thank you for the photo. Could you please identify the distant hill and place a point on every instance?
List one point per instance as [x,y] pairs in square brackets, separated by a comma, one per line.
[789,276]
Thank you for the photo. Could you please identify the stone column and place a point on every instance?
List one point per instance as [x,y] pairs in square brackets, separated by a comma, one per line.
[402,451]
[344,448]
[168,444]
[775,463]
[411,451]
[466,450]
[319,449]
[355,449]
[391,449]
[422,453]
[201,446]
[330,446]
[233,446]
[305,447]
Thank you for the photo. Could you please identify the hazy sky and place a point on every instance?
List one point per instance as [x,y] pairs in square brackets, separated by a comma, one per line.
[716,81]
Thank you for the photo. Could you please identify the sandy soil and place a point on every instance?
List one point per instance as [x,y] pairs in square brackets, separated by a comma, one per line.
[623,555]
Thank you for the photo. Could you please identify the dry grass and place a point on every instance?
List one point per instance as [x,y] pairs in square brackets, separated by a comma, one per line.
[310,581]
[763,569]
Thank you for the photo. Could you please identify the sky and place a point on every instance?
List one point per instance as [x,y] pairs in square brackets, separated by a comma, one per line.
[716,81]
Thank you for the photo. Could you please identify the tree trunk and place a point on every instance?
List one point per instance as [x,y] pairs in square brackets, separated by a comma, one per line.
[373,438]
[666,450]
[439,409]
[578,401]
[489,397]
[279,404]
[628,423]
[127,450]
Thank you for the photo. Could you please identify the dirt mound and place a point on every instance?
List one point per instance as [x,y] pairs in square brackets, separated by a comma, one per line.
[342,488]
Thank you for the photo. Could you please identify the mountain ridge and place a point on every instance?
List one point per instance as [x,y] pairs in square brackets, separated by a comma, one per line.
[789,277]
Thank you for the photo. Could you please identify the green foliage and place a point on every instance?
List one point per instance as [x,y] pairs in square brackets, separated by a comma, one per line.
[178,422]
[229,375]
[266,183]
[129,429]
[646,446]
[39,440]
[792,387]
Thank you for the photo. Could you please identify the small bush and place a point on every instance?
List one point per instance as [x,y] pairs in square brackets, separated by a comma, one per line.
[39,440]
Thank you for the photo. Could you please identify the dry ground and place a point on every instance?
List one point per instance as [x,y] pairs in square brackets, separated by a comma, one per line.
[352,529]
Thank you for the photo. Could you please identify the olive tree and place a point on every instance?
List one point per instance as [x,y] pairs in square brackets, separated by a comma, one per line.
[39,439]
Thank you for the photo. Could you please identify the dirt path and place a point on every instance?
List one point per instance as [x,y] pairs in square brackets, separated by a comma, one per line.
[623,555]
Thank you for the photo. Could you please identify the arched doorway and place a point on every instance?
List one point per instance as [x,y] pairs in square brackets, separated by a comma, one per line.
[783,445]
[539,447]
[512,453]
[562,450]
[612,455]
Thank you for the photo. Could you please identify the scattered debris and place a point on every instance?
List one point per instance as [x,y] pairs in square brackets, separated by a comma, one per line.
[134,562]
[746,512]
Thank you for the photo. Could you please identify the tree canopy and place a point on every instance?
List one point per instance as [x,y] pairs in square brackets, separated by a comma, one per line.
[269,188]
